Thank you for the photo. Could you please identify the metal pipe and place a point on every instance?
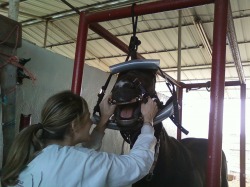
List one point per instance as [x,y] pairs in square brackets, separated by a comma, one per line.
[179,89]
[180,97]
[46,33]
[80,54]
[147,8]
[243,136]
[179,48]
[208,84]
[217,93]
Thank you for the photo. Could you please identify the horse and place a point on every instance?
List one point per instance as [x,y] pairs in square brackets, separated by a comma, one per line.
[177,163]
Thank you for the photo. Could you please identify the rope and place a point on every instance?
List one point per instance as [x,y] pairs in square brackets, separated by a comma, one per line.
[14,60]
[175,116]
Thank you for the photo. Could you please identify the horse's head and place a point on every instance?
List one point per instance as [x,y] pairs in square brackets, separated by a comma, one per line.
[135,82]
[131,88]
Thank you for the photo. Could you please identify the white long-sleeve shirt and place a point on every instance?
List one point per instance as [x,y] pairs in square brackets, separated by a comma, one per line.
[71,166]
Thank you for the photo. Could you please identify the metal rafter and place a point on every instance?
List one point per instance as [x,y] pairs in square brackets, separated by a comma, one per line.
[232,40]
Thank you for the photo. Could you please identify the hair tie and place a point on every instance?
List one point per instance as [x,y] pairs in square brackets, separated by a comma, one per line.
[45,129]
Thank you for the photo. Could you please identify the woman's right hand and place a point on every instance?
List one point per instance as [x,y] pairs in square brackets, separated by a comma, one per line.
[106,110]
[149,110]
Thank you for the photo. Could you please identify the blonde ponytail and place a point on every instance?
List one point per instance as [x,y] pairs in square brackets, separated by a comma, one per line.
[20,153]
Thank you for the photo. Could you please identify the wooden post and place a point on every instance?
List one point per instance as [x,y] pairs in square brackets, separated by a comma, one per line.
[11,39]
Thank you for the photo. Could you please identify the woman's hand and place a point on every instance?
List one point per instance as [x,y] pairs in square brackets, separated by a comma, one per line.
[106,110]
[149,110]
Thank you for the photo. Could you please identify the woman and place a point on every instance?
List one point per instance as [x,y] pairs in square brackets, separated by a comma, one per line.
[45,154]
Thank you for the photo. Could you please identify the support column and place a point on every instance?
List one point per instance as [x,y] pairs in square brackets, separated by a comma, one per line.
[217,93]
[243,136]
[180,98]
[179,89]
[11,39]
[80,54]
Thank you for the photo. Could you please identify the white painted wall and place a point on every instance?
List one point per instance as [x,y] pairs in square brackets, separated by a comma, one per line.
[54,74]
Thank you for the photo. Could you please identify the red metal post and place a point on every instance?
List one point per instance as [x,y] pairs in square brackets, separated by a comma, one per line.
[243,137]
[218,65]
[147,8]
[25,121]
[217,93]
[80,54]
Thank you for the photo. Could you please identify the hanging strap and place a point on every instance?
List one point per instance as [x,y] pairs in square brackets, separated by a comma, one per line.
[133,46]
[134,41]
[101,95]
[175,116]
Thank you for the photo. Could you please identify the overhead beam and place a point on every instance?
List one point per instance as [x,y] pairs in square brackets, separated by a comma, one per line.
[100,6]
[203,67]
[147,8]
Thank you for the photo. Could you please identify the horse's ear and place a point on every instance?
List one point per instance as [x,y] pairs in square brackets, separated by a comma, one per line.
[153,73]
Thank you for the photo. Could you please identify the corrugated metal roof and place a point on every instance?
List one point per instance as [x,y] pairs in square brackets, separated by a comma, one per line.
[158,34]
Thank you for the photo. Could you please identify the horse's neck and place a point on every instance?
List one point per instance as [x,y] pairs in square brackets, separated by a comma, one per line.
[158,129]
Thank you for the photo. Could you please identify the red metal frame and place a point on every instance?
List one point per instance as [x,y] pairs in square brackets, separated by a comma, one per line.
[218,63]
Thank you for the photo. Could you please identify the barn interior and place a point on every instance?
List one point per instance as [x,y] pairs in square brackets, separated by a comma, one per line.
[182,37]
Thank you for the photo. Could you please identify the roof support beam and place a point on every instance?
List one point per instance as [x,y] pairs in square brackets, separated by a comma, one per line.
[232,40]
